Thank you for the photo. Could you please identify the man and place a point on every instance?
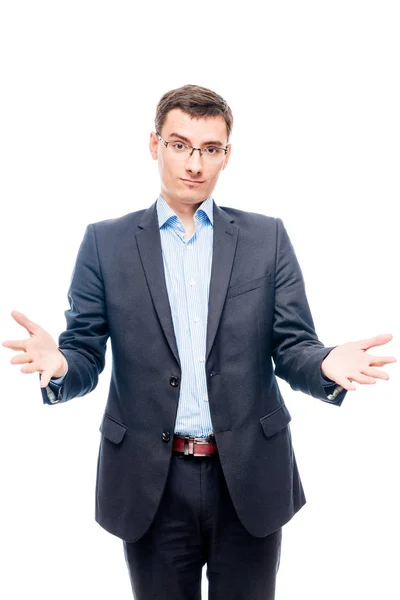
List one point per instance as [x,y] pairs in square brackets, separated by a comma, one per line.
[196,464]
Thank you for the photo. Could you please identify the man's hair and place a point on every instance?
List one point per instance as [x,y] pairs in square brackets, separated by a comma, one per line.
[196,101]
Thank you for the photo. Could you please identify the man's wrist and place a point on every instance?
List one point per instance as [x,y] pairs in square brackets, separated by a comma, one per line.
[63,368]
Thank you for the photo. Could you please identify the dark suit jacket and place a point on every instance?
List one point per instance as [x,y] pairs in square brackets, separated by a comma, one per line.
[258,311]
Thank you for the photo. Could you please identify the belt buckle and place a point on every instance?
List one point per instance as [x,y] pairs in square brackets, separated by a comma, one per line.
[191,442]
[186,447]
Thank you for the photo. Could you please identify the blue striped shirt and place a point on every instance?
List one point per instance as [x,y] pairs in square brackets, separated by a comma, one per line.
[187,267]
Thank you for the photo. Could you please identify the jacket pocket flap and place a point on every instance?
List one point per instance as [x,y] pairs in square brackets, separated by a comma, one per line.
[275,421]
[112,430]
[247,286]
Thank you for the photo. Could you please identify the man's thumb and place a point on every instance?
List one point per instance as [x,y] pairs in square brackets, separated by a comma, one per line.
[44,379]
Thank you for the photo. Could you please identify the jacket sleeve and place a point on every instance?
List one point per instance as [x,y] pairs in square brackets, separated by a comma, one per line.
[296,351]
[84,341]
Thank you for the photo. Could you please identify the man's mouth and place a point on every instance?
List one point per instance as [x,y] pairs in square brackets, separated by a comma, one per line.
[194,182]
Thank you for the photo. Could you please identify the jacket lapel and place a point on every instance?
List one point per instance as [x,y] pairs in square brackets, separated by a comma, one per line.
[150,250]
[224,247]
[149,246]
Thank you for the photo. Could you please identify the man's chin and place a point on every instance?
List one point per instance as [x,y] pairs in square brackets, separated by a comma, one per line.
[192,196]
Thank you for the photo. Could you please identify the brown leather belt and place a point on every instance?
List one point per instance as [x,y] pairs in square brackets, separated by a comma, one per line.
[194,446]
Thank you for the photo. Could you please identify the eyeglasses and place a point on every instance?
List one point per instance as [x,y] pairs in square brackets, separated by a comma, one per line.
[211,154]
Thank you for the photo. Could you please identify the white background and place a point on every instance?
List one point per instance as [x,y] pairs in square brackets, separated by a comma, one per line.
[314,88]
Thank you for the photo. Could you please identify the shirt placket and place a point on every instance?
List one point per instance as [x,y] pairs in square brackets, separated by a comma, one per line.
[197,322]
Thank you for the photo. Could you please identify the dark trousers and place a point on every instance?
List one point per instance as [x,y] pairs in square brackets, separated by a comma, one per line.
[196,524]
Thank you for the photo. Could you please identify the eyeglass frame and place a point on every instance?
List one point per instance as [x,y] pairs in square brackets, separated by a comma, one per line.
[192,147]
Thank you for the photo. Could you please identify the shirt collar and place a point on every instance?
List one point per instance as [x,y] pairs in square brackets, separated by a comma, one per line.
[165,212]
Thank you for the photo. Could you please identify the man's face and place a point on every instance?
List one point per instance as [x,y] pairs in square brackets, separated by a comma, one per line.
[189,180]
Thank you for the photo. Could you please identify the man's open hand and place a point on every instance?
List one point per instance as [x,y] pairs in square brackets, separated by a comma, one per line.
[350,362]
[40,352]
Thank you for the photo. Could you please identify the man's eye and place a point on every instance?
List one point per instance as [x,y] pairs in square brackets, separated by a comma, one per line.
[212,150]
[179,146]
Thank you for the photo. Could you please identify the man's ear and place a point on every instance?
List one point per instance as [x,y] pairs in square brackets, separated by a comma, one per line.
[153,145]
[227,156]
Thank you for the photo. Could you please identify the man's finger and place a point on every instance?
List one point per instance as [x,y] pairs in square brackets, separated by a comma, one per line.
[375,373]
[381,361]
[21,359]
[30,368]
[378,340]
[15,344]
[23,320]
[360,378]
[346,384]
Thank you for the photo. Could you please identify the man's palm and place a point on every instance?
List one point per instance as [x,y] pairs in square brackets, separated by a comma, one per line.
[350,362]
[40,352]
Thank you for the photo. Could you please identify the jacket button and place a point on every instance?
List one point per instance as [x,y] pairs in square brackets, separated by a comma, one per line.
[174,381]
[166,436]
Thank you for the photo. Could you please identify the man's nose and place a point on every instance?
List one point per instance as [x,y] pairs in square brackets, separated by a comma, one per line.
[194,162]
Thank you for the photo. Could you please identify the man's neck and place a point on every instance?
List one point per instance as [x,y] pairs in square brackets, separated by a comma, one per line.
[185,211]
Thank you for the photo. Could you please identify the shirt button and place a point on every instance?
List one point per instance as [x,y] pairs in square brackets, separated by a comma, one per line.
[189,247]
[192,282]
[205,398]
[201,359]
[196,319]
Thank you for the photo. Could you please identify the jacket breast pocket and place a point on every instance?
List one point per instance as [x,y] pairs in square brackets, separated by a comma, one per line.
[112,430]
[275,421]
[247,286]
